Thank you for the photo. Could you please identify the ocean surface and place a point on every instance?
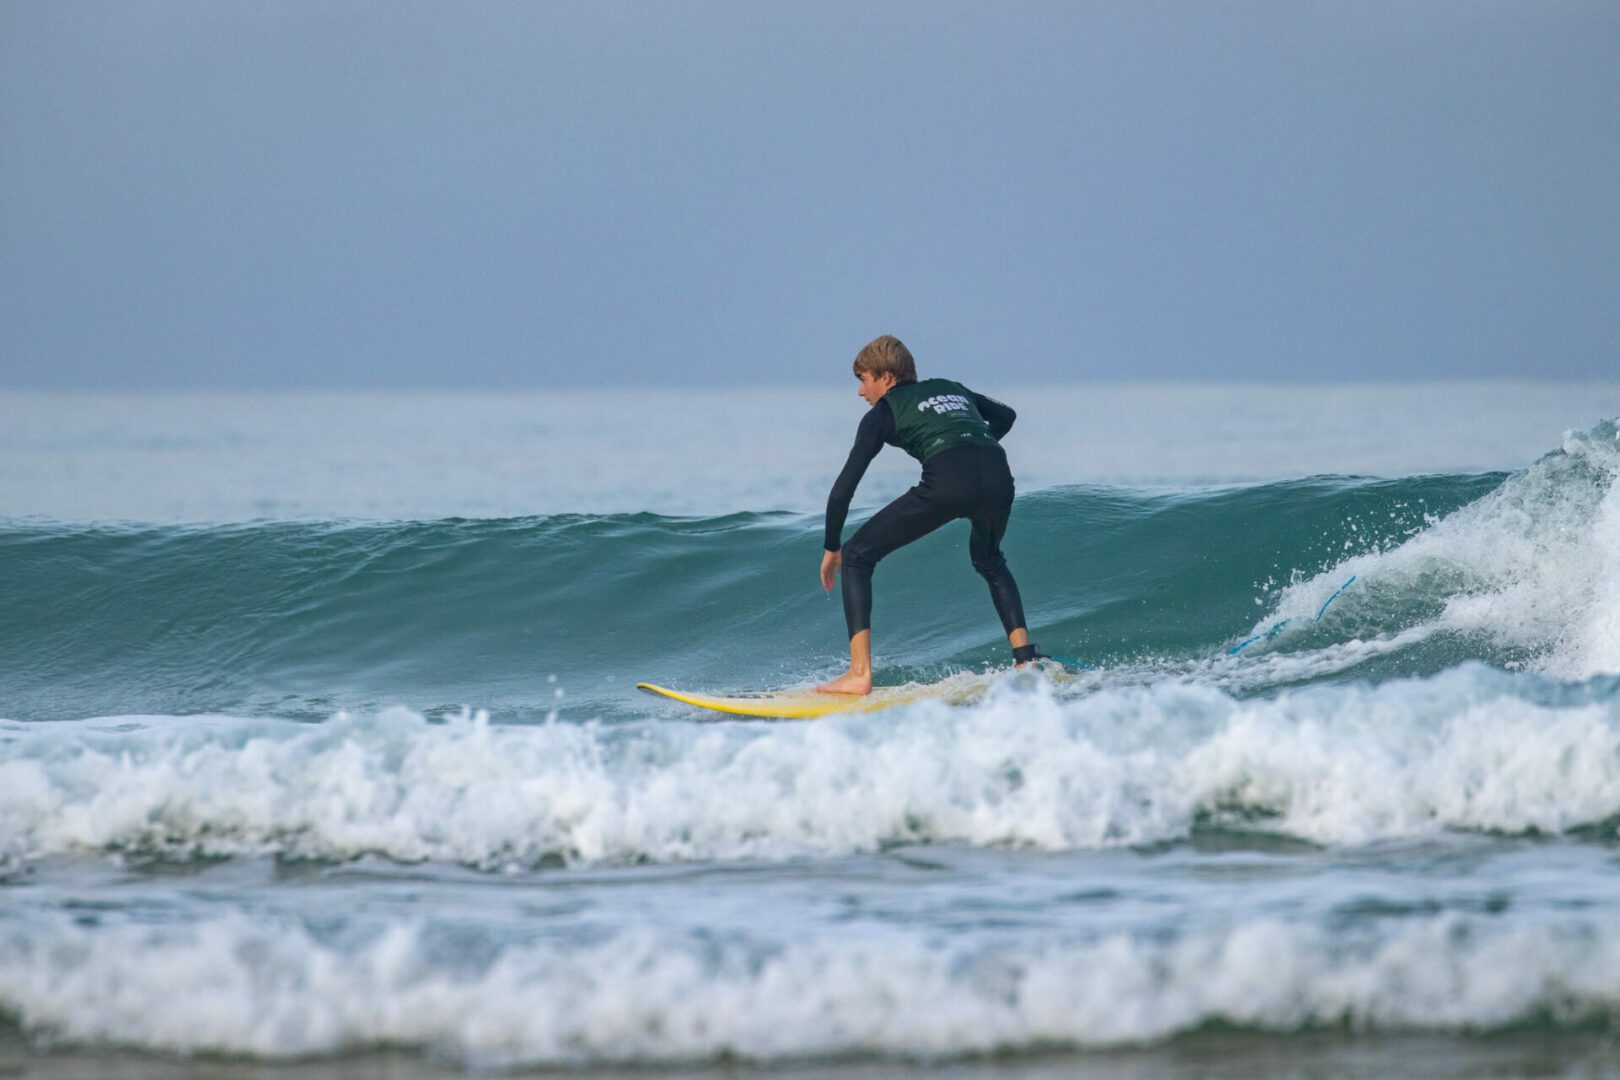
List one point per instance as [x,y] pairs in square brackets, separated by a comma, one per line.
[320,753]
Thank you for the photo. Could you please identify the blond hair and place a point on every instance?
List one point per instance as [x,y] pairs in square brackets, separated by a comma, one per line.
[887,355]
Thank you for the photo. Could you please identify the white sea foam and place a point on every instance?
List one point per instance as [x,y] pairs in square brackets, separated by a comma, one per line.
[1335,764]
[1532,566]
[270,988]
[1594,643]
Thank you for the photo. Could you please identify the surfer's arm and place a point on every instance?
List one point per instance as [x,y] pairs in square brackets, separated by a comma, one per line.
[876,426]
[1000,417]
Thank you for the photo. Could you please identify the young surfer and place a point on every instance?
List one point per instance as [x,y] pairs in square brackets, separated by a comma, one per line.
[956,435]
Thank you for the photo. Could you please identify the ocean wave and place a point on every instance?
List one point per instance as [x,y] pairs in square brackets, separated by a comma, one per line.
[300,619]
[275,988]
[1032,765]
[1530,572]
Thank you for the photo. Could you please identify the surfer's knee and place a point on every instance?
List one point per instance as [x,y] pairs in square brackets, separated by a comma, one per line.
[858,555]
[990,566]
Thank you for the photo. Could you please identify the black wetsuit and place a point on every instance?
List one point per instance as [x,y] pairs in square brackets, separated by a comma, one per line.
[965,475]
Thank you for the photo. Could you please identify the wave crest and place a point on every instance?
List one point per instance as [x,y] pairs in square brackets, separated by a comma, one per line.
[1531,571]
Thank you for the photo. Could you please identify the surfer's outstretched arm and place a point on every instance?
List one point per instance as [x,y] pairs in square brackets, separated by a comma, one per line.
[876,426]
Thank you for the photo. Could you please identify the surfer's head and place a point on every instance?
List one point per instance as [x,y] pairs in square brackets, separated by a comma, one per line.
[882,365]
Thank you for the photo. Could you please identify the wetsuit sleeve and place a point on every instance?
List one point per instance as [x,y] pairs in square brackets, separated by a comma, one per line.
[876,428]
[1000,417]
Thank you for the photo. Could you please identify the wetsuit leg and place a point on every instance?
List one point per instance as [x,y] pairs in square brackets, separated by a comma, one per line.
[911,516]
[984,547]
[989,517]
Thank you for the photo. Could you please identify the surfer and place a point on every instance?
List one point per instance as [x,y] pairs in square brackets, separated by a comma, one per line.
[956,435]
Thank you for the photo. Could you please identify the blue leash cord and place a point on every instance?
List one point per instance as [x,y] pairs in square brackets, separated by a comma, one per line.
[1071,663]
[1275,630]
[1334,597]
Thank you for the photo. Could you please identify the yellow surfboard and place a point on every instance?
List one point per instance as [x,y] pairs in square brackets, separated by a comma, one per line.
[804,704]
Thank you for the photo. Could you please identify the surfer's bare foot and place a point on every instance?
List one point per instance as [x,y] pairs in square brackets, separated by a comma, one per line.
[848,683]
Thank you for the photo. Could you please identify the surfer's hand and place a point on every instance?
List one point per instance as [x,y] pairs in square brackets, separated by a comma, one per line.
[830,562]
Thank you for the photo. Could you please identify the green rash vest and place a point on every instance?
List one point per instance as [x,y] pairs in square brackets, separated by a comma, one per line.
[934,415]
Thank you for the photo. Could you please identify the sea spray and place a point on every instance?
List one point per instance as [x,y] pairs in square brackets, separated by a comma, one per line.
[1529,570]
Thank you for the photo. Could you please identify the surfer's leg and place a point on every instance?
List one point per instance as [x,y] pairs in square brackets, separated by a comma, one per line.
[992,566]
[984,548]
[909,517]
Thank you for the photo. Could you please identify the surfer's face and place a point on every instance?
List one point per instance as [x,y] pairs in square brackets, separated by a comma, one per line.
[873,387]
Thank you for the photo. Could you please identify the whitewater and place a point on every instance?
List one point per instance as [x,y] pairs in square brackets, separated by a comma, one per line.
[332,747]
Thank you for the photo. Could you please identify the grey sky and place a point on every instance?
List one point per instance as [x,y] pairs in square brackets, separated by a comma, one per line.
[489,194]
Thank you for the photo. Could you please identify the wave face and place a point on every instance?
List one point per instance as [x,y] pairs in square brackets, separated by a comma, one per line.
[300,620]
